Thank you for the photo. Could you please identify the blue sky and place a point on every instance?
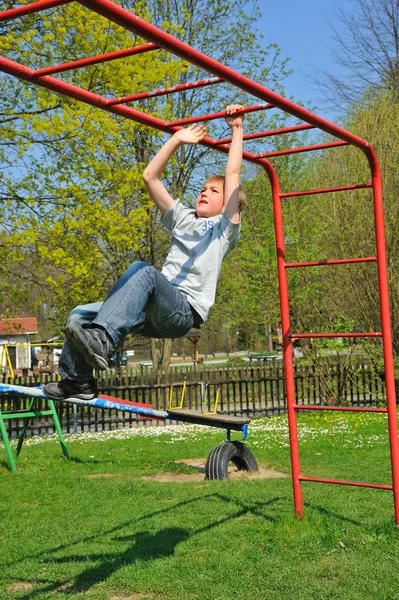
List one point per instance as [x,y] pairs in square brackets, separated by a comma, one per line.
[301,30]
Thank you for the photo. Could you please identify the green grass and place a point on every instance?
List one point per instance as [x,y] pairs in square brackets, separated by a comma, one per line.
[96,526]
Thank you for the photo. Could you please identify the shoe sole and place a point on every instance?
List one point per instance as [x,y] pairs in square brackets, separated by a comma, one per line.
[96,361]
[77,396]
[80,396]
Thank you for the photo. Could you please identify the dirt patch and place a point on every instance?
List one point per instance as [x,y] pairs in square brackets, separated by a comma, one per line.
[133,597]
[99,475]
[198,474]
[19,586]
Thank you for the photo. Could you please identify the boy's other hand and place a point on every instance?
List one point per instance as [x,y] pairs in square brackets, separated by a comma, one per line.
[232,121]
[191,135]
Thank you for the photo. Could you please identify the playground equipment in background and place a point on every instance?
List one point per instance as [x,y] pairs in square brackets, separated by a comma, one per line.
[218,461]
[48,366]
[277,338]
[219,74]
[204,387]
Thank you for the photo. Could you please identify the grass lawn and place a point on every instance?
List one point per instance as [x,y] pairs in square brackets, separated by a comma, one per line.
[102,526]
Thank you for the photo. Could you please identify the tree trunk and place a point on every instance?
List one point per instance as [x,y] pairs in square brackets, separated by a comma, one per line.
[161,349]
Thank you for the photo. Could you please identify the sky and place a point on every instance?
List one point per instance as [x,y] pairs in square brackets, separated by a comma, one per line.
[302,31]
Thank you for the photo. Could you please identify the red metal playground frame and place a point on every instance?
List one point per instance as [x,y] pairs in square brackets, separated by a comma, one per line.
[220,73]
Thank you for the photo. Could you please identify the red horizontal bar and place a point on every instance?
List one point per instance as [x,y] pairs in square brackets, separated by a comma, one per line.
[132,22]
[219,115]
[321,263]
[377,486]
[262,134]
[326,190]
[340,408]
[93,60]
[72,91]
[27,9]
[335,335]
[169,90]
[304,149]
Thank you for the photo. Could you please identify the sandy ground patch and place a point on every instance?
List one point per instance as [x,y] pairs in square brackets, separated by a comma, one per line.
[198,474]
[19,586]
[133,597]
[98,475]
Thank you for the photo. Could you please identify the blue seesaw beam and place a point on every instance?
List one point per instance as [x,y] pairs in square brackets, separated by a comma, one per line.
[143,410]
[100,402]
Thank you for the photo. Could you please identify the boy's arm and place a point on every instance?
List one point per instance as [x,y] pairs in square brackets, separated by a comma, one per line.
[233,166]
[153,172]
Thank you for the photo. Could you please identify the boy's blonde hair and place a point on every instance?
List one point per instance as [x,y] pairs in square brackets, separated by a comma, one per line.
[242,199]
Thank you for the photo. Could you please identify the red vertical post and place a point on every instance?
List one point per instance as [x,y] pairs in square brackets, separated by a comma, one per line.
[287,342]
[385,324]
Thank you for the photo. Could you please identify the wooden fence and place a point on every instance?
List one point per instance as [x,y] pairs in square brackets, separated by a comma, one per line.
[252,390]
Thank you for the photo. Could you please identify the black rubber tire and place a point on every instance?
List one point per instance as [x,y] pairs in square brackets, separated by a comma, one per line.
[217,465]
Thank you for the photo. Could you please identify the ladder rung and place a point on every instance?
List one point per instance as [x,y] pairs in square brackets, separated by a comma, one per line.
[342,188]
[321,263]
[219,115]
[262,134]
[93,60]
[303,149]
[341,482]
[335,335]
[169,90]
[340,408]
[28,9]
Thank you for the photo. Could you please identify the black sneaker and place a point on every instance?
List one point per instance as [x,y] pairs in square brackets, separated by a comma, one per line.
[93,344]
[67,388]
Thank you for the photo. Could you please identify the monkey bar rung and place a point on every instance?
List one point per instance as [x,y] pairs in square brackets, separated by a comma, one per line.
[218,115]
[339,408]
[262,134]
[377,486]
[322,263]
[305,336]
[94,60]
[303,149]
[28,9]
[341,188]
[170,90]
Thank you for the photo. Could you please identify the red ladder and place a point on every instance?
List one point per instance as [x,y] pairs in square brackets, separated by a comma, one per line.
[384,334]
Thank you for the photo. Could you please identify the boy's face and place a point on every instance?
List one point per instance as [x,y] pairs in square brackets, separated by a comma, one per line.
[210,201]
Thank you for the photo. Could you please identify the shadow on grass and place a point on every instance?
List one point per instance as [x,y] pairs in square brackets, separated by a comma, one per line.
[4,464]
[328,513]
[23,468]
[146,546]
[79,461]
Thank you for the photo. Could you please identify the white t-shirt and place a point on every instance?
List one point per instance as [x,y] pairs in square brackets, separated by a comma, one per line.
[198,248]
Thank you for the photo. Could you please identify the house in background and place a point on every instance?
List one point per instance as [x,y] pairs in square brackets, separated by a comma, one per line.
[12,333]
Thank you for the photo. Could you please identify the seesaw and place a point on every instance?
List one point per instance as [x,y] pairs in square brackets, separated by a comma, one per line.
[217,462]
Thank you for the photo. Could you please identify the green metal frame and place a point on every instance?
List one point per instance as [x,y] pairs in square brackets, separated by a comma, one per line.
[28,414]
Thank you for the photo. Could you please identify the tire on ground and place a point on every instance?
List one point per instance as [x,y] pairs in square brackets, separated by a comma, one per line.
[217,465]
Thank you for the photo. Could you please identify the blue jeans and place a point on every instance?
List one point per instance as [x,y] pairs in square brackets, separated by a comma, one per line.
[142,301]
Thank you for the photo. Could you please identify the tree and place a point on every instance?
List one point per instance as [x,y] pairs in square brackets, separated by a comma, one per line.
[367,47]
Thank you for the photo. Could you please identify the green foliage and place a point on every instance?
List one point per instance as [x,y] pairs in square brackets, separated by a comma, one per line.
[75,212]
[346,221]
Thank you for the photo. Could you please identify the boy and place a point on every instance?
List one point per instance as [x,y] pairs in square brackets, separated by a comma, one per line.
[170,303]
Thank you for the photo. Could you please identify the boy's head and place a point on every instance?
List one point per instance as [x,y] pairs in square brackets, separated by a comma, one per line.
[211,198]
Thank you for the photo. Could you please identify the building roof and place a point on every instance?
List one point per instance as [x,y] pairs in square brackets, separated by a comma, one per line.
[18,326]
